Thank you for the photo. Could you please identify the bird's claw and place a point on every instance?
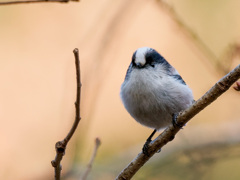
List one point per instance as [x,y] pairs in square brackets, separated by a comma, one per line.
[145,147]
[174,121]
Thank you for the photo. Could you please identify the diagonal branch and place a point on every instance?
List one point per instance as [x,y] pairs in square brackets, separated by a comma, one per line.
[169,133]
[34,1]
[61,145]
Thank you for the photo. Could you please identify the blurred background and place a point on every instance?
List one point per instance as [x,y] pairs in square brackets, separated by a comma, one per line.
[38,86]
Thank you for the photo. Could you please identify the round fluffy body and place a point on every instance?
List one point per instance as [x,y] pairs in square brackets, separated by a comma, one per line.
[153,90]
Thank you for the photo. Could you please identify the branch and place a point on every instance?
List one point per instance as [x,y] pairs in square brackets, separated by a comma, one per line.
[89,167]
[35,1]
[169,133]
[61,145]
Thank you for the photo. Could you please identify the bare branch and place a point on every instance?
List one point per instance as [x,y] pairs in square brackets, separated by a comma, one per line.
[78,97]
[35,1]
[169,133]
[61,145]
[89,167]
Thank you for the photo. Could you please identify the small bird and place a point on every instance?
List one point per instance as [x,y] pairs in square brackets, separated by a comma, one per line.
[153,92]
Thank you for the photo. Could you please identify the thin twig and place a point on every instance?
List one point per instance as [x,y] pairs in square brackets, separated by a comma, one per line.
[89,166]
[169,133]
[34,1]
[61,145]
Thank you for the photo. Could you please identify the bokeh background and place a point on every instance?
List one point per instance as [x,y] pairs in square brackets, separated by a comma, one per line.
[38,88]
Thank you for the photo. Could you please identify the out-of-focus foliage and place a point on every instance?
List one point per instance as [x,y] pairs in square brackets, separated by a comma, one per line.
[213,161]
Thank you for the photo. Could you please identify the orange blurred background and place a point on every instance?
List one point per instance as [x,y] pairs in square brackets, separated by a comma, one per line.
[38,86]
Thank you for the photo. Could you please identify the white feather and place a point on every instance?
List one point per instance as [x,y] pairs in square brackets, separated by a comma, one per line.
[151,95]
[140,55]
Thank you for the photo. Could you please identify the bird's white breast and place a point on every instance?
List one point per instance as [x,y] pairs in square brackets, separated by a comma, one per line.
[152,97]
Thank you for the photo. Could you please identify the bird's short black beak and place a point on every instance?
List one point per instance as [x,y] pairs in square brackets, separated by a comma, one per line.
[138,65]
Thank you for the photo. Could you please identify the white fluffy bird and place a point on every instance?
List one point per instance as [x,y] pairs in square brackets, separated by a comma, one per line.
[153,90]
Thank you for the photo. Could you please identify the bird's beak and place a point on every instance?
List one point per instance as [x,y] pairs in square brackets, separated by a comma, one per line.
[139,65]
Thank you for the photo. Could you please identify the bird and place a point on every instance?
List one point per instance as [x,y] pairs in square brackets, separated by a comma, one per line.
[153,92]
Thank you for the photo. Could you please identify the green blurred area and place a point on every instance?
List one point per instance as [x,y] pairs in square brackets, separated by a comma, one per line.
[215,162]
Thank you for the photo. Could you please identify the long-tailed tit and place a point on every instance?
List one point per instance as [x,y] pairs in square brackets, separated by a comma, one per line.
[153,91]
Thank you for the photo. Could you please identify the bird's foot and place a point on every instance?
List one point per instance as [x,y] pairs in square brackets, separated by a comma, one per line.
[146,146]
[148,141]
[174,121]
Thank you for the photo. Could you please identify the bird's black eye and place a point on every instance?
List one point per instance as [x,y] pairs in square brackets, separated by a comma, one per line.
[149,59]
